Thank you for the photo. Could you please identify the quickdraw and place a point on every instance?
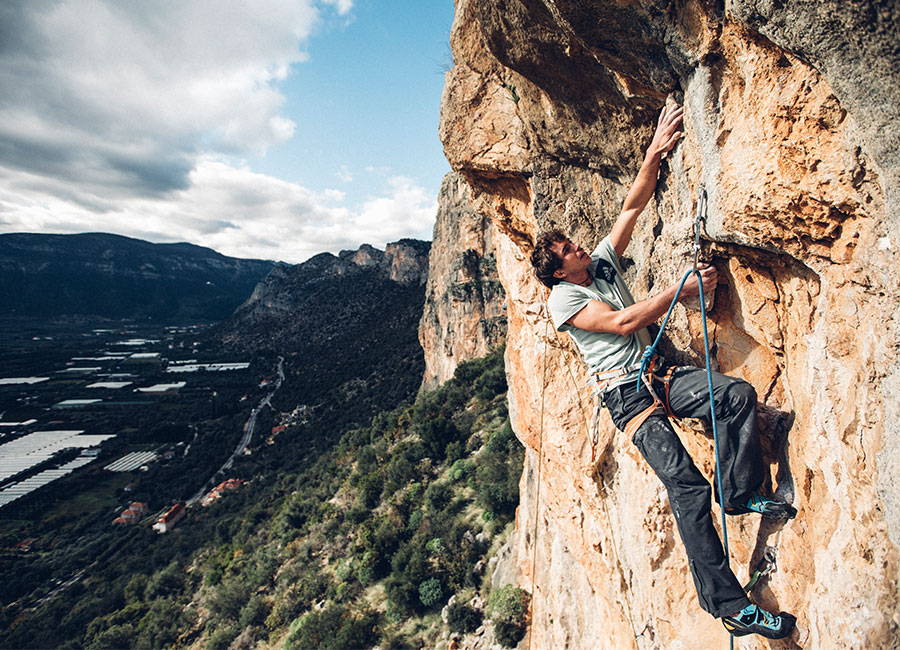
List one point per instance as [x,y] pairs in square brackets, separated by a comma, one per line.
[764,567]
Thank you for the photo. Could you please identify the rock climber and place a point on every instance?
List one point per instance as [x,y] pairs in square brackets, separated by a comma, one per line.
[589,299]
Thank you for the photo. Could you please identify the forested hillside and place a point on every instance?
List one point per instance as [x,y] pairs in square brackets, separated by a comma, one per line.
[361,544]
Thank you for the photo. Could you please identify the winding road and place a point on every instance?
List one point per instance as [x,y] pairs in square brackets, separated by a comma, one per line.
[249,427]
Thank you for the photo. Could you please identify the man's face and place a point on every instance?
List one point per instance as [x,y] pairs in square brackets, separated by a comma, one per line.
[574,259]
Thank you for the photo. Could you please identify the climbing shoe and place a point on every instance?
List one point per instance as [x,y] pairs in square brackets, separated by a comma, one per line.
[768,508]
[755,620]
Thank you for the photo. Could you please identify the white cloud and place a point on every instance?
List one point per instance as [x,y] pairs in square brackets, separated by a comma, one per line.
[121,116]
[237,212]
[111,94]
[343,7]
[344,174]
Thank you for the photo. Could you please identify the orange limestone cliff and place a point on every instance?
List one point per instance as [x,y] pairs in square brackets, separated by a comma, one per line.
[464,315]
[791,126]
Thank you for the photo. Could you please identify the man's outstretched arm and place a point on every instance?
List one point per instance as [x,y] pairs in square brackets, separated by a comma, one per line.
[664,140]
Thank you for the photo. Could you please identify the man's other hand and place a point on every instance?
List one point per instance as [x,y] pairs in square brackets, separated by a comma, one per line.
[710,278]
[667,133]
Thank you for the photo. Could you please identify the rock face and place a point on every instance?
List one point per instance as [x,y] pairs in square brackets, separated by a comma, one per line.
[465,311]
[355,300]
[404,261]
[791,126]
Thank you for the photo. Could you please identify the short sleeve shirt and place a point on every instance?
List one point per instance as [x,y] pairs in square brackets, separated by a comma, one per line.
[601,350]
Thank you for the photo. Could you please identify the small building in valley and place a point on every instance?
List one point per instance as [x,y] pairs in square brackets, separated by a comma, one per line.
[169,518]
[132,514]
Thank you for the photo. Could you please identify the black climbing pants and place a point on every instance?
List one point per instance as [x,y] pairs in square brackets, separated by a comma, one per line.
[740,460]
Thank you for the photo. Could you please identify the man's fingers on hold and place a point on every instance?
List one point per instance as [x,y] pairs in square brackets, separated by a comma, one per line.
[672,140]
[676,115]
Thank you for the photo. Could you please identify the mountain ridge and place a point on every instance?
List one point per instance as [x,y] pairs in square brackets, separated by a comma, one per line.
[113,276]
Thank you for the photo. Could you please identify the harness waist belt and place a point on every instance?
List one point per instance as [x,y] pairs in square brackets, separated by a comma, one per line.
[608,378]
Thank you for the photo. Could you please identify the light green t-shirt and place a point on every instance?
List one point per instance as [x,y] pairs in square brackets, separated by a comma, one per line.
[601,350]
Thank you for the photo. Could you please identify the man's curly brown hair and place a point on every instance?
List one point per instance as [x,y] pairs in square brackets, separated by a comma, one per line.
[544,261]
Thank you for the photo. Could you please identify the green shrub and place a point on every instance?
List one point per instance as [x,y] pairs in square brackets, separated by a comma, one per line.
[508,635]
[370,487]
[508,604]
[386,536]
[344,570]
[366,460]
[254,612]
[438,495]
[116,636]
[166,582]
[491,383]
[136,588]
[437,433]
[454,451]
[461,469]
[397,642]
[161,625]
[222,638]
[228,599]
[463,619]
[430,592]
[401,469]
[415,519]
[366,570]
[358,513]
[507,607]
[403,596]
[301,593]
[496,479]
[435,546]
[333,628]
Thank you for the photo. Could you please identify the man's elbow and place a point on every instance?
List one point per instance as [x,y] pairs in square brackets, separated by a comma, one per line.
[626,325]
[617,324]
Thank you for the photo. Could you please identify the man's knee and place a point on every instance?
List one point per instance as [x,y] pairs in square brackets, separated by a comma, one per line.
[741,393]
[690,496]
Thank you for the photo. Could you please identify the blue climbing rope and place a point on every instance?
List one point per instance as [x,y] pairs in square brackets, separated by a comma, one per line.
[650,351]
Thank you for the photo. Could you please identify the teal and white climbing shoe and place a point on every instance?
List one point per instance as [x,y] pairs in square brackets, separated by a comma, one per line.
[755,620]
[768,508]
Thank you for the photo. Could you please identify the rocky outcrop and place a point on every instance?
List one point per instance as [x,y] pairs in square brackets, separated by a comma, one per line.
[353,300]
[790,125]
[404,261]
[465,311]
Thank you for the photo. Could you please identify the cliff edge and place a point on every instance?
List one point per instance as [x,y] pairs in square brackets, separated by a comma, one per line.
[464,314]
[791,126]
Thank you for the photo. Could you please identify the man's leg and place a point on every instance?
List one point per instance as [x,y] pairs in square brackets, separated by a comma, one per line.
[718,590]
[740,459]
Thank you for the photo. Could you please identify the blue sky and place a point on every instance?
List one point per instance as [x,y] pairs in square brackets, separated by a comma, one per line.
[368,98]
[275,129]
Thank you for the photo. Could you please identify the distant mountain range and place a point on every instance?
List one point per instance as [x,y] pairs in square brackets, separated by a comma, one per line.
[97,274]
[353,297]
[347,325]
